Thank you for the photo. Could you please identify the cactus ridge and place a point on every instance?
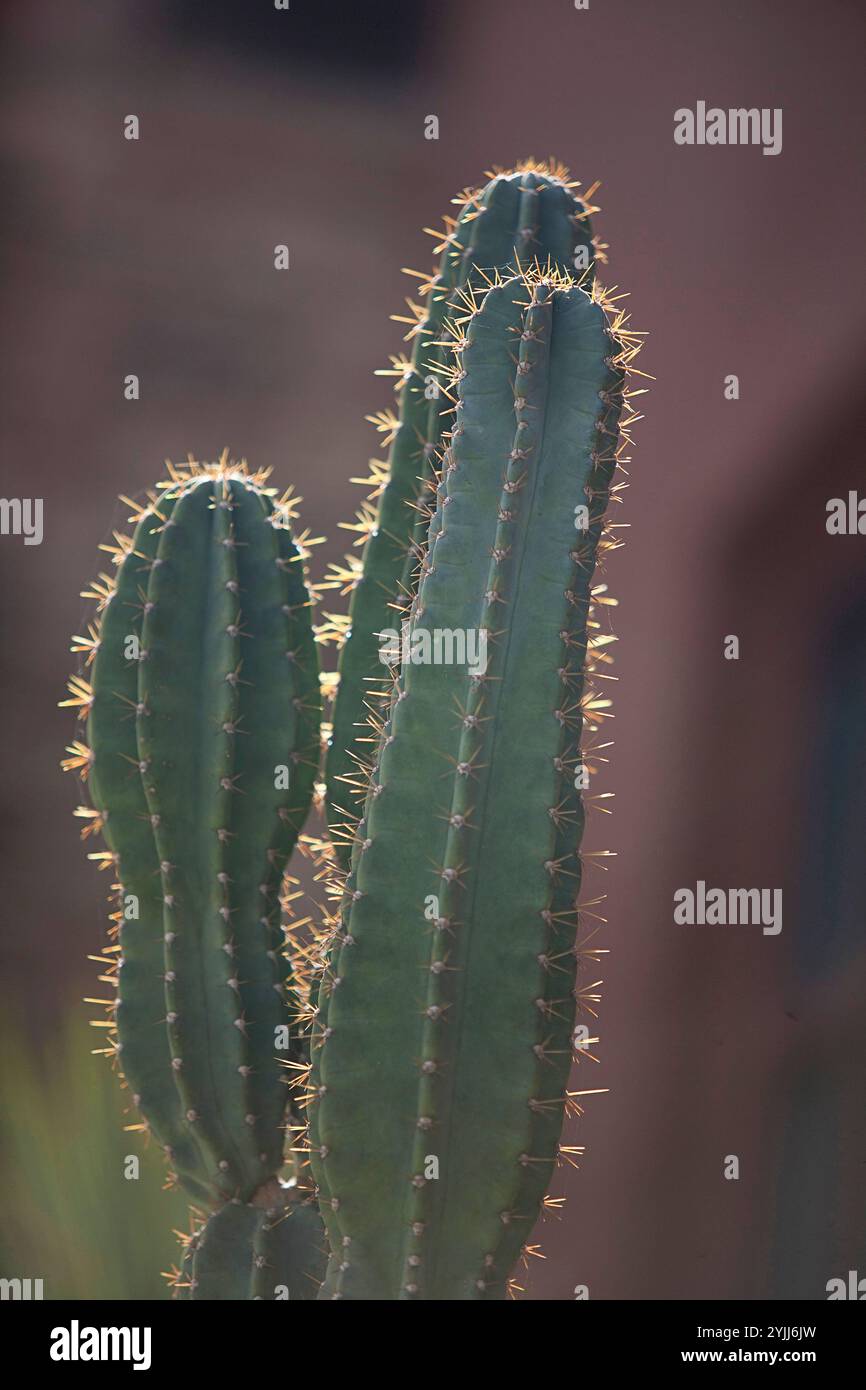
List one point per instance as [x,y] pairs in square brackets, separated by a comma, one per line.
[117,789]
[447,1036]
[202,757]
[531,213]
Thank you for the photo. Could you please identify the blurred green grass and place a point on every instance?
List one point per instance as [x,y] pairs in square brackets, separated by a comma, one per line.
[70,1216]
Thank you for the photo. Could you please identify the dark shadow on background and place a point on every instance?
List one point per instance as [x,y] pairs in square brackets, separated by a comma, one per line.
[371,42]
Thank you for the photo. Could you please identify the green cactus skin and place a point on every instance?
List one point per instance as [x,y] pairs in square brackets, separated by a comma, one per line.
[530,214]
[117,791]
[188,736]
[452,1038]
[246,1252]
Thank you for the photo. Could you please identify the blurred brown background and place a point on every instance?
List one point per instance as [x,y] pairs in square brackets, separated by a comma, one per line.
[156,258]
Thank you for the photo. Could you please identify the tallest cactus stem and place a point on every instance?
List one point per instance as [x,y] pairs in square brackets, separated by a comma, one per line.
[533,213]
[444,1040]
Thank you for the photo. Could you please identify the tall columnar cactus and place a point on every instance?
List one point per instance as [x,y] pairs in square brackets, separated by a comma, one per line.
[441,1053]
[533,213]
[203,721]
[431,1060]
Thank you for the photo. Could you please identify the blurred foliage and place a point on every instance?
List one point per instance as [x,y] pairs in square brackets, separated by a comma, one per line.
[70,1217]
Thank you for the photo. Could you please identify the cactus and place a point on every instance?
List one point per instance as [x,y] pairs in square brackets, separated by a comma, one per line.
[268,1248]
[442,1049]
[430,1023]
[530,214]
[203,721]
